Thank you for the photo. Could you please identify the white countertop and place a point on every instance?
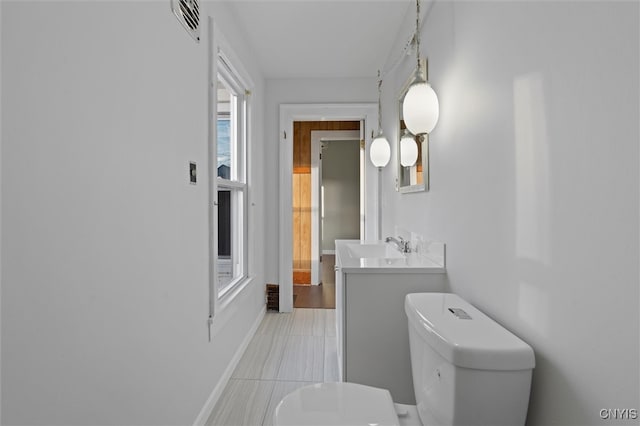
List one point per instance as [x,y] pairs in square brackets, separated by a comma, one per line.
[411,263]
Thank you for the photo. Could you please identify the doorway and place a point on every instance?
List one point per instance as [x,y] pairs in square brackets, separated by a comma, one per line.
[311,239]
[336,211]
[341,192]
[366,117]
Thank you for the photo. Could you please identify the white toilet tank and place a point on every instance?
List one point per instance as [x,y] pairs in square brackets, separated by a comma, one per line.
[467,369]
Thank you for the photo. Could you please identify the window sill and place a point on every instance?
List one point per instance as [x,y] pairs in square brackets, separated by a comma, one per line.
[228,297]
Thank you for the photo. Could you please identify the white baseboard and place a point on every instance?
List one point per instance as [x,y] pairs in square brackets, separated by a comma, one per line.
[222,383]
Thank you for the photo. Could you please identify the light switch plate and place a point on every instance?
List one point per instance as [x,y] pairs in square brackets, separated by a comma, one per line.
[192,173]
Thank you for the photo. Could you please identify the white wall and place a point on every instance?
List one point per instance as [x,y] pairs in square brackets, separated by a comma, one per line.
[104,241]
[1,215]
[534,187]
[306,91]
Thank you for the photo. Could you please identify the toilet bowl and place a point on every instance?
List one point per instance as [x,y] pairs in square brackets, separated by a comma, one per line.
[342,404]
[333,404]
[467,370]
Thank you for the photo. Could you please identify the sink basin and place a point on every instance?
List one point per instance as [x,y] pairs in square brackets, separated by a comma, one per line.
[374,251]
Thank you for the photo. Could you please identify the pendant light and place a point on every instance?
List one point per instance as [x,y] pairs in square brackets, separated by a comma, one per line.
[408,150]
[420,109]
[380,151]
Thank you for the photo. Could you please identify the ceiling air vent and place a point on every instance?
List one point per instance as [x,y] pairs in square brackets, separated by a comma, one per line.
[188,13]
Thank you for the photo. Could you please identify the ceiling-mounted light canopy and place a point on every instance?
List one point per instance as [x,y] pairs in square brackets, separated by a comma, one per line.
[380,150]
[408,150]
[420,107]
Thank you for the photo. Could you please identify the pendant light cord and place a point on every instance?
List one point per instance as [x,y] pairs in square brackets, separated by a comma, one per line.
[417,35]
[393,62]
[379,104]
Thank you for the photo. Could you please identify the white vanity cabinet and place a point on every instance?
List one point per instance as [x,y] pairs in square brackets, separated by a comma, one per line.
[371,325]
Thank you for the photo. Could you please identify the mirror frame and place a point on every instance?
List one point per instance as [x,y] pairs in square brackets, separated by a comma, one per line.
[421,168]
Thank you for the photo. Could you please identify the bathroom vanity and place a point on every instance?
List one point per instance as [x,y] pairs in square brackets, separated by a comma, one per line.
[372,280]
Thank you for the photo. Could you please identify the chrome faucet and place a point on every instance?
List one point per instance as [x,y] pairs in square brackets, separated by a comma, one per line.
[402,245]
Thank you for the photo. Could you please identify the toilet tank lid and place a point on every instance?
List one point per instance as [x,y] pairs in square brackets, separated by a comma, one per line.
[463,335]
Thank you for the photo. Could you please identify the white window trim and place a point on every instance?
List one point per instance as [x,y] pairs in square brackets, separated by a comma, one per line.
[237,180]
[221,49]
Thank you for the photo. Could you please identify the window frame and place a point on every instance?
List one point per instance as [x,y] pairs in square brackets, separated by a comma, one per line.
[224,72]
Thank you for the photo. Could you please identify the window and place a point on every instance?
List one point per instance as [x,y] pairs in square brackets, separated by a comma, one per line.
[231,126]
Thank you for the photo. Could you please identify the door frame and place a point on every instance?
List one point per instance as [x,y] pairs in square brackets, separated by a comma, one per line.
[317,112]
[317,137]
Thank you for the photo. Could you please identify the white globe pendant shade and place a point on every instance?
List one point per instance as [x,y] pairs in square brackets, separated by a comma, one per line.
[420,108]
[380,151]
[408,150]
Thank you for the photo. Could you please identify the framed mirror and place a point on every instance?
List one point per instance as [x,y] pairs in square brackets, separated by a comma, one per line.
[413,151]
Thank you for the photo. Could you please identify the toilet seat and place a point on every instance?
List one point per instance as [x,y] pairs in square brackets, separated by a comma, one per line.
[336,404]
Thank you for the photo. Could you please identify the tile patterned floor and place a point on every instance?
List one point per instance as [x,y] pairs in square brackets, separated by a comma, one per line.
[287,352]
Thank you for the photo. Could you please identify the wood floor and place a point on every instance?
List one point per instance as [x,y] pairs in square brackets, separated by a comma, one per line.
[314,296]
[318,296]
[287,352]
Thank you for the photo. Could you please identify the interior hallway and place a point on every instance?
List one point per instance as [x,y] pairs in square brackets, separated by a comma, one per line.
[288,351]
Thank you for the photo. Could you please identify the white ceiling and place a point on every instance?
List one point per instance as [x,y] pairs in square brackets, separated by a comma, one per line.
[320,38]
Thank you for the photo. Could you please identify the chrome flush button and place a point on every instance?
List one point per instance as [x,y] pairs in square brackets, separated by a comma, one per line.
[460,313]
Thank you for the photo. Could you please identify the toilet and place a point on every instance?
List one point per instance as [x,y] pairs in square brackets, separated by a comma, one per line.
[467,370]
